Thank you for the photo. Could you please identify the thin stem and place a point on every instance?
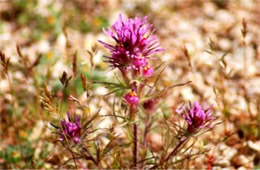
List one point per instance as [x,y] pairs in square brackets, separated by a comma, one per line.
[132,113]
[38,93]
[175,150]
[12,92]
[135,145]
[96,162]
[146,130]
[244,56]
[74,159]
[126,79]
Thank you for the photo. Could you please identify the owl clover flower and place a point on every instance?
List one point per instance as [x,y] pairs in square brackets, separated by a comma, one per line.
[71,129]
[134,43]
[132,98]
[196,117]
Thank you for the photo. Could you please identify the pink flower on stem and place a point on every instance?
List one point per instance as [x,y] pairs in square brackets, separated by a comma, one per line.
[196,116]
[70,129]
[132,98]
[134,42]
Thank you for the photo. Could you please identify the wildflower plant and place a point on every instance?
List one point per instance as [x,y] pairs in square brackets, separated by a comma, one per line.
[141,135]
[134,45]
[118,104]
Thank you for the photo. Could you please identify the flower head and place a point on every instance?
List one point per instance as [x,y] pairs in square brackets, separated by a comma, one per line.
[132,98]
[71,129]
[133,43]
[196,116]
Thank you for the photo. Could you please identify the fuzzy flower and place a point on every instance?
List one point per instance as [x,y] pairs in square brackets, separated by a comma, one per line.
[196,116]
[134,42]
[70,129]
[132,98]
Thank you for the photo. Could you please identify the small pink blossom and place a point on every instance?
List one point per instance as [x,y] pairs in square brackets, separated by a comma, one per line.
[148,71]
[132,98]
[139,61]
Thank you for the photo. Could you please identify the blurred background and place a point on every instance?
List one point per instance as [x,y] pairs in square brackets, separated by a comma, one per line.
[213,43]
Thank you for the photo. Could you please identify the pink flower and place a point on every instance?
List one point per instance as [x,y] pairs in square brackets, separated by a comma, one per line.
[134,42]
[196,116]
[148,71]
[70,129]
[132,98]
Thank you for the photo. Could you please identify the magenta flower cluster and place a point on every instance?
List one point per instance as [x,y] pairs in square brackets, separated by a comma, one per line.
[134,44]
[196,116]
[71,129]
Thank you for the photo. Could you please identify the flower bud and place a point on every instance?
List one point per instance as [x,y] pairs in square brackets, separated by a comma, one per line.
[148,71]
[132,98]
[150,106]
